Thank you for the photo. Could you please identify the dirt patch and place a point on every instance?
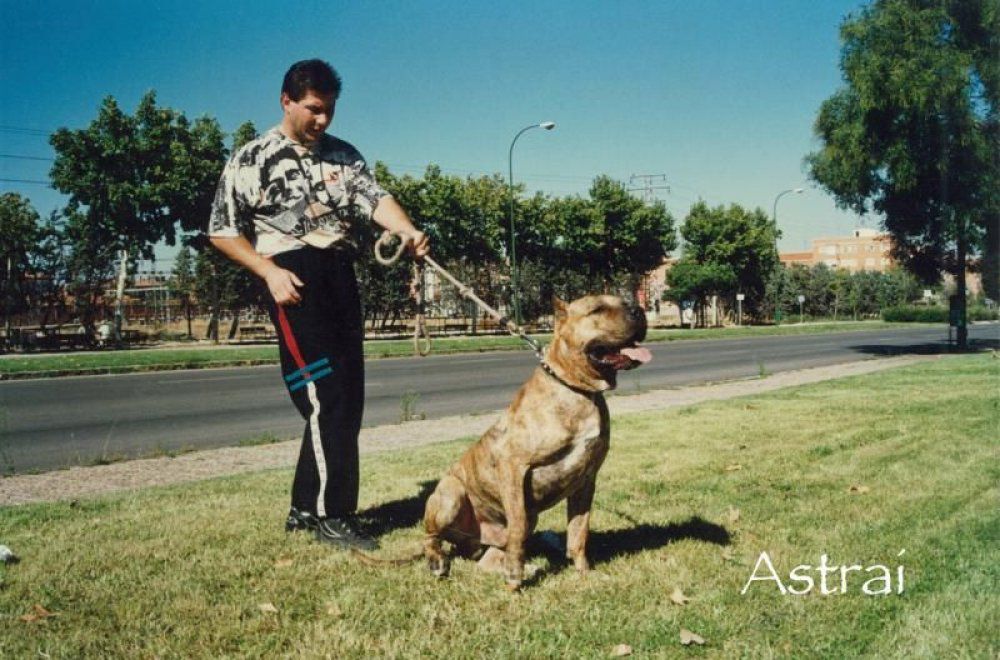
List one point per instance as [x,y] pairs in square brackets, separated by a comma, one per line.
[81,482]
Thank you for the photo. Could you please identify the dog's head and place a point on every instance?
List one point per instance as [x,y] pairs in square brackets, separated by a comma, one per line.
[596,337]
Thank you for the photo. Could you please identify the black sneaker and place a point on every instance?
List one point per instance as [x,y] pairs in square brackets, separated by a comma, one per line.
[300,521]
[344,532]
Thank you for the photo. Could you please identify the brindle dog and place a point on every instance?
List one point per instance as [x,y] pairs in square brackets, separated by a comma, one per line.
[546,447]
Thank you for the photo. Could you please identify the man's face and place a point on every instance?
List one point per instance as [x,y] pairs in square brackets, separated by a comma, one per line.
[307,119]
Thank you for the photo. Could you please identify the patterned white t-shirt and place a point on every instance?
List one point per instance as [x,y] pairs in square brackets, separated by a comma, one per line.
[282,195]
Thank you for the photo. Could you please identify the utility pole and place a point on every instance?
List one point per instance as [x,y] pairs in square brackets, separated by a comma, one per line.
[648,189]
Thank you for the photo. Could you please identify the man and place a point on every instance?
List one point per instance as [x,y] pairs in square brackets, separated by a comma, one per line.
[290,207]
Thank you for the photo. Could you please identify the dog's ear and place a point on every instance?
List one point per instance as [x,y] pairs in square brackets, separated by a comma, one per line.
[559,307]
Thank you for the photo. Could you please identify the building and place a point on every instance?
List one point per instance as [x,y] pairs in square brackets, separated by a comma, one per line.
[864,249]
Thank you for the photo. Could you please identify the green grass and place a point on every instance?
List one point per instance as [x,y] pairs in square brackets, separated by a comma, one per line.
[153,359]
[183,571]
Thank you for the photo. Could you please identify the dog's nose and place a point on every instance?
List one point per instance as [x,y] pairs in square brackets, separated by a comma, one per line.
[636,313]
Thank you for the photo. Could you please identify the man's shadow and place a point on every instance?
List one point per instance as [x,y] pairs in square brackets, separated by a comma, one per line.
[398,514]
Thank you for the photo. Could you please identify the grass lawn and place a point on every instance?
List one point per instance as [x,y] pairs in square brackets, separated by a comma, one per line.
[688,498]
[151,359]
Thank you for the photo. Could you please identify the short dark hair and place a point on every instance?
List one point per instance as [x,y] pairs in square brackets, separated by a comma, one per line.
[315,75]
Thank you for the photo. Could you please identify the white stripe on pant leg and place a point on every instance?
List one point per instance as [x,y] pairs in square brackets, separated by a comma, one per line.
[317,449]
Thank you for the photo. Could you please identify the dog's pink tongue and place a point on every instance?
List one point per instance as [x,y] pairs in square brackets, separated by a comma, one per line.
[637,353]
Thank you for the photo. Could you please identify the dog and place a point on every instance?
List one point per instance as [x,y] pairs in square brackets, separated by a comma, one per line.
[547,446]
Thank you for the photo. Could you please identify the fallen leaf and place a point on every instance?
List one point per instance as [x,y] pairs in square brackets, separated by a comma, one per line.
[734,515]
[677,597]
[334,610]
[39,613]
[734,467]
[688,638]
[621,650]
[268,608]
[743,446]
[283,563]
[749,406]
[859,489]
[727,554]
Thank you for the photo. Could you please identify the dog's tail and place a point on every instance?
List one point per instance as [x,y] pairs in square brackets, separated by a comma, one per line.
[368,560]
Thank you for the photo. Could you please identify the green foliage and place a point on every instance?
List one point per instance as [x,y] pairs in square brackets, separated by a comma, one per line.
[19,232]
[838,293]
[913,133]
[933,314]
[137,177]
[726,251]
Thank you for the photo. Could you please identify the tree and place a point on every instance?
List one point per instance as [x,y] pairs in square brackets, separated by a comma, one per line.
[733,239]
[90,266]
[913,133]
[694,282]
[48,263]
[635,238]
[136,177]
[19,232]
[182,284]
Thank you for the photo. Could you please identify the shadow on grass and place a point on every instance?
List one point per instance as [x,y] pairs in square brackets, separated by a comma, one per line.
[604,546]
[977,345]
[398,514]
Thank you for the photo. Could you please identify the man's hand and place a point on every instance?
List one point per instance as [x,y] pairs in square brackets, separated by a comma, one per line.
[282,285]
[417,243]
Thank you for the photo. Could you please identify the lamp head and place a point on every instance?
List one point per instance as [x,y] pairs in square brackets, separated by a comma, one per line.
[547,125]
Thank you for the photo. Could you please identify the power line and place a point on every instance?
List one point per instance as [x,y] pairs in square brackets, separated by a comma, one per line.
[23,131]
[25,157]
[648,194]
[44,183]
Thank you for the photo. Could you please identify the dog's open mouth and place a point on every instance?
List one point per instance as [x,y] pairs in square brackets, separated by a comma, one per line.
[619,358]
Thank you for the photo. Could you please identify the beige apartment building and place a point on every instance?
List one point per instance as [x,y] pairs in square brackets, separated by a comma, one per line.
[864,249]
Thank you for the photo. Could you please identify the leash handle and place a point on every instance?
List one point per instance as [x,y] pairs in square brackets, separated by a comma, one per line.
[384,241]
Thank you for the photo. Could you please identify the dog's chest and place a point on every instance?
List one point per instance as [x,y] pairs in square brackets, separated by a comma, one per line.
[568,469]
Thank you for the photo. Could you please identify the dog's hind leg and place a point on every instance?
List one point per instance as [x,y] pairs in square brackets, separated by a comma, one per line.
[442,511]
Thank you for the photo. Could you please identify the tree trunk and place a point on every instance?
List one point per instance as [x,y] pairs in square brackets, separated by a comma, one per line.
[119,294]
[235,325]
[961,248]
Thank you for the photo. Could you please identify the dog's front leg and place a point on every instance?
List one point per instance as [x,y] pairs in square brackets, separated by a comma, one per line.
[517,524]
[578,525]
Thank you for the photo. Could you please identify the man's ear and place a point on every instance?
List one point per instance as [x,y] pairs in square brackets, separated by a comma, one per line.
[559,307]
[284,99]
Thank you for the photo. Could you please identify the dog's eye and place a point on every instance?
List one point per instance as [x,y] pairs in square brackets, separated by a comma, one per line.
[600,309]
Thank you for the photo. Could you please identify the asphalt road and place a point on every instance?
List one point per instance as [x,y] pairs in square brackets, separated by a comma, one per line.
[53,423]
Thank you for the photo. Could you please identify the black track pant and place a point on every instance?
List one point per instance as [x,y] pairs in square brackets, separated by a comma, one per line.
[321,361]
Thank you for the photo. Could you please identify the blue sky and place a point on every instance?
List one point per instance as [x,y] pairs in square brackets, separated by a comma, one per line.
[720,96]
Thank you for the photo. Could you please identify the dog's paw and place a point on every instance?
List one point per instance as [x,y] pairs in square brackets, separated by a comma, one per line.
[438,566]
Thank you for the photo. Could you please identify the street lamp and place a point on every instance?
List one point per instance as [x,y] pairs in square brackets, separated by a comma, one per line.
[774,218]
[547,125]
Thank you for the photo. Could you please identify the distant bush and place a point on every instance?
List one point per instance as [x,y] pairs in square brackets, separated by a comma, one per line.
[915,314]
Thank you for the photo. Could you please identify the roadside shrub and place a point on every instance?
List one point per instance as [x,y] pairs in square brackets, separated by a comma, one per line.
[915,314]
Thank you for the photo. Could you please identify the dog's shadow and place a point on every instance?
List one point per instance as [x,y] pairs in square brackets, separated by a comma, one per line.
[602,546]
[605,546]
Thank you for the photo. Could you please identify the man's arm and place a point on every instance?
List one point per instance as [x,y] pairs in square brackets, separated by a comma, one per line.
[280,282]
[390,215]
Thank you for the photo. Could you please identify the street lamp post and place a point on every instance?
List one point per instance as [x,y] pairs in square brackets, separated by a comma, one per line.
[547,125]
[774,218]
